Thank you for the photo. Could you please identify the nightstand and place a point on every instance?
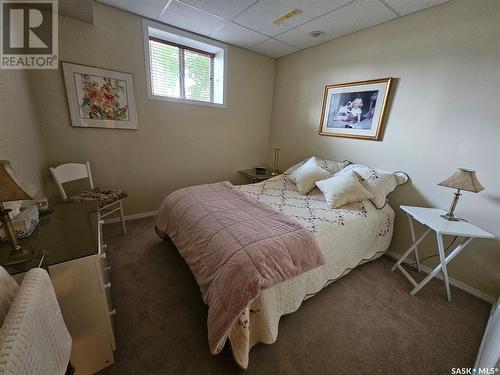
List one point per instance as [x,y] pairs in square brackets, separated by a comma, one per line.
[253,176]
[430,217]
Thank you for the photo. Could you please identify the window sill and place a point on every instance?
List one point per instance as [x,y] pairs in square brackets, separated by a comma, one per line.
[185,101]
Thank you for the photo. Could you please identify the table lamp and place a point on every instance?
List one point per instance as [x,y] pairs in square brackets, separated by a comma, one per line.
[11,189]
[462,179]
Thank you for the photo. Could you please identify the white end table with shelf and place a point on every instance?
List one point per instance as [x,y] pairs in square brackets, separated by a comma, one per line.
[430,217]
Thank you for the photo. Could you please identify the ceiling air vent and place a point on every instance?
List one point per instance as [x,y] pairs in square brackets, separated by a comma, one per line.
[316,34]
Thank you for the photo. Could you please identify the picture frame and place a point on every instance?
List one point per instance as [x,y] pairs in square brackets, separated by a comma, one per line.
[99,98]
[355,109]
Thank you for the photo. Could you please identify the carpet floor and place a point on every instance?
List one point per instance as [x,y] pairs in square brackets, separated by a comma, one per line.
[364,323]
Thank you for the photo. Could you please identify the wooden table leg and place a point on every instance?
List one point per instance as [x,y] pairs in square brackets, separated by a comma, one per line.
[410,249]
[436,270]
[444,269]
[412,231]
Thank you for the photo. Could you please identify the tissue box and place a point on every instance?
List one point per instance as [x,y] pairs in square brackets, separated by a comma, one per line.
[24,223]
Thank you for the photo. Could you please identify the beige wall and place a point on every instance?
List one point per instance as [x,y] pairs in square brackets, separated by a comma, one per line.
[445,114]
[176,144]
[20,138]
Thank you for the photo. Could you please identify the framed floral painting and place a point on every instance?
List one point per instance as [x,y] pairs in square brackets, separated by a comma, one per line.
[99,98]
[355,109]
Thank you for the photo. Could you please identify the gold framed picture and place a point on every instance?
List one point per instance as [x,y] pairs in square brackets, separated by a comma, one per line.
[355,109]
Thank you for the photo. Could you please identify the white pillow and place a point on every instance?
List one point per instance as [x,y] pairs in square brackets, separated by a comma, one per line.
[342,189]
[331,166]
[305,176]
[378,182]
[313,161]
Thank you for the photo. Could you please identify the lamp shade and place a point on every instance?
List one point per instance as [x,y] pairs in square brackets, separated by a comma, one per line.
[11,187]
[463,179]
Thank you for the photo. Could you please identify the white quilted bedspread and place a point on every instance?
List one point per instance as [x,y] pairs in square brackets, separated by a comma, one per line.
[348,237]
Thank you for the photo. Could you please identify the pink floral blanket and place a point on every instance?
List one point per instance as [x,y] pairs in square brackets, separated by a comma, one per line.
[235,247]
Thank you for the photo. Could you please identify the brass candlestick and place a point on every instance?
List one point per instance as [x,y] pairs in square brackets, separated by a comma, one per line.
[12,189]
[450,215]
[8,228]
[276,161]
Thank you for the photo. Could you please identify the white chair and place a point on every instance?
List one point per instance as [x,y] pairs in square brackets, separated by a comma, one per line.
[108,201]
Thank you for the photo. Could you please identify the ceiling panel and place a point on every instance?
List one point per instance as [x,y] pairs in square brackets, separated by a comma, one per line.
[187,17]
[150,8]
[238,35]
[251,26]
[227,9]
[259,16]
[404,7]
[82,10]
[273,48]
[353,17]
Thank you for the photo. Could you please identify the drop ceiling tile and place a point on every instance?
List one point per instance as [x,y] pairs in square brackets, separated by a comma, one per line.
[259,16]
[404,7]
[227,9]
[238,35]
[273,48]
[354,17]
[189,18]
[150,8]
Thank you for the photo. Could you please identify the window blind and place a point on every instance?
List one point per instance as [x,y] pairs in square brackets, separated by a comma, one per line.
[181,72]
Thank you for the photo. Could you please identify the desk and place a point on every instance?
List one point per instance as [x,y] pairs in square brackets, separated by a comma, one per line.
[430,217]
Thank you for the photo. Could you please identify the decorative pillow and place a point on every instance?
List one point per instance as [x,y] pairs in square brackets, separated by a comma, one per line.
[305,176]
[312,161]
[378,182]
[329,165]
[342,189]
[333,166]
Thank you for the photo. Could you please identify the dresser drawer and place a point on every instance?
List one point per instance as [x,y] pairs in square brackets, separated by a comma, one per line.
[103,270]
[110,316]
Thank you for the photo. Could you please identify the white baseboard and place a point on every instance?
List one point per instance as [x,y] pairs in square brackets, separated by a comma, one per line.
[455,283]
[130,217]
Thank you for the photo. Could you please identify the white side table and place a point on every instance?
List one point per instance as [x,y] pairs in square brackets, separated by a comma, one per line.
[430,217]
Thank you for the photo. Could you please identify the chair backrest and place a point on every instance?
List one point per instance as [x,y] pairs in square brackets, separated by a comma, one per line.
[70,172]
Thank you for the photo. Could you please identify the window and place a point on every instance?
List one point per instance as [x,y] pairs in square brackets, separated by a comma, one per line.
[181,68]
[181,72]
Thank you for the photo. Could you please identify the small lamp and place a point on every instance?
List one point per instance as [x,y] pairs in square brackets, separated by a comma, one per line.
[462,179]
[11,189]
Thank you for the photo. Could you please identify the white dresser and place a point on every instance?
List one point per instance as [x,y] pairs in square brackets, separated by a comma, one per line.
[77,263]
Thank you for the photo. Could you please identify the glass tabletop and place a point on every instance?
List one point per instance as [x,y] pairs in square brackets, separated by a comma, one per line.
[69,232]
[253,174]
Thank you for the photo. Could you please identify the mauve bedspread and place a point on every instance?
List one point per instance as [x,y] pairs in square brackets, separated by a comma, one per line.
[235,246]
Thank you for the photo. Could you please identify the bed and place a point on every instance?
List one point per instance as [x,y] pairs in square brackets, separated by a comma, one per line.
[347,237]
